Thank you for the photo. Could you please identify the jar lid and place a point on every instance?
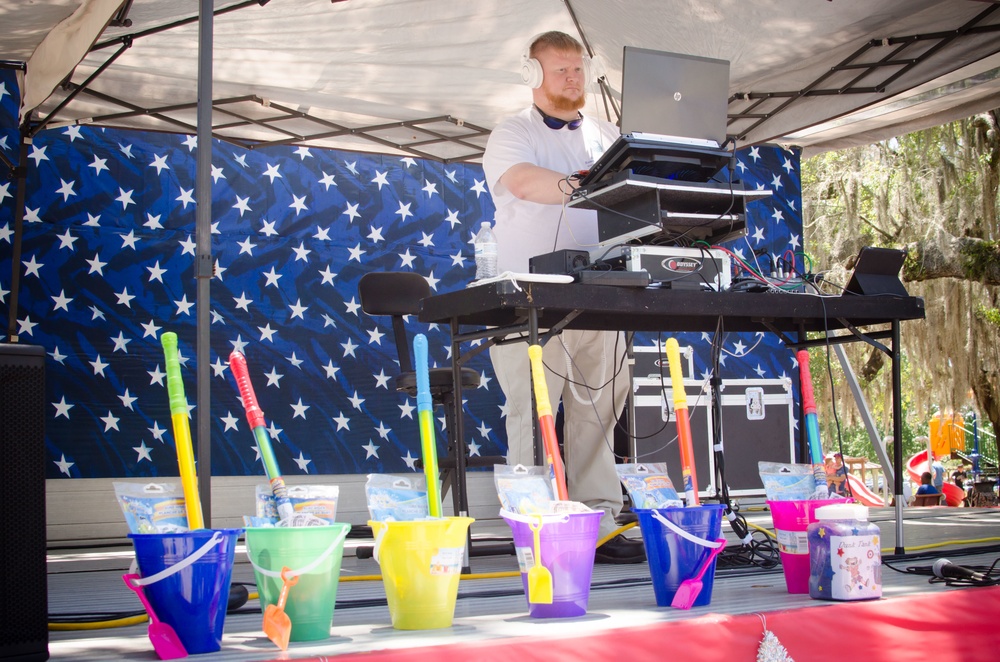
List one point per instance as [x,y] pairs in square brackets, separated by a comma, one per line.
[843,511]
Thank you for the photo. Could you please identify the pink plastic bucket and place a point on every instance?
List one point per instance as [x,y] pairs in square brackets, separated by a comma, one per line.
[791,519]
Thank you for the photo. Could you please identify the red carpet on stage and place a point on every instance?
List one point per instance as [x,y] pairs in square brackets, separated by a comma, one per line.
[941,626]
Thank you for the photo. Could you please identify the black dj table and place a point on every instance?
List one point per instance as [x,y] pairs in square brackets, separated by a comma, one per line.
[518,311]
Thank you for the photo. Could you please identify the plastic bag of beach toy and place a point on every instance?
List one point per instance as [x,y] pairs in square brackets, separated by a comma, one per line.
[785,481]
[396,498]
[524,490]
[648,485]
[320,501]
[152,507]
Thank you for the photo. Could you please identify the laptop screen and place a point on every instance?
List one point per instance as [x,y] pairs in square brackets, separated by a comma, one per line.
[674,115]
[669,94]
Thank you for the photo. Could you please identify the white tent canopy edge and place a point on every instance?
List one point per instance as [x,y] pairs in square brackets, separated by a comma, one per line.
[423,77]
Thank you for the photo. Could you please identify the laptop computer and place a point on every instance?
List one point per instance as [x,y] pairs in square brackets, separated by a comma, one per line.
[674,118]
[876,271]
[674,97]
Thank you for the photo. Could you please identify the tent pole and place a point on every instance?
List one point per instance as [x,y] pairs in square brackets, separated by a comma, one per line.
[203,257]
[878,443]
[602,82]
[20,175]
[897,435]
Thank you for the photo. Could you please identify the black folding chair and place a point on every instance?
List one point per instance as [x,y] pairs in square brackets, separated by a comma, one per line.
[398,295]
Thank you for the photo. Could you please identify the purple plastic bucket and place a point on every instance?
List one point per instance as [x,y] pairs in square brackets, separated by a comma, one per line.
[192,600]
[791,520]
[568,543]
[673,557]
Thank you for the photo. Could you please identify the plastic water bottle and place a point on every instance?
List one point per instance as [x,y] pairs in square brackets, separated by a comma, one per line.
[486,252]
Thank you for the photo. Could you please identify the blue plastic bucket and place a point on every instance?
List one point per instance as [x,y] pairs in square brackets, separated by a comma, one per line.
[674,553]
[196,568]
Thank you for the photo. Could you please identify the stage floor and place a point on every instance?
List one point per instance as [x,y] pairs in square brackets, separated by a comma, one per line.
[623,620]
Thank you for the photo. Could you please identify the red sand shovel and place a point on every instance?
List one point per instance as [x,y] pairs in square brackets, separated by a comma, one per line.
[166,643]
[277,625]
[689,589]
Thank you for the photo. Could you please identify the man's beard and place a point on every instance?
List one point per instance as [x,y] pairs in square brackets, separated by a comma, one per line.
[563,103]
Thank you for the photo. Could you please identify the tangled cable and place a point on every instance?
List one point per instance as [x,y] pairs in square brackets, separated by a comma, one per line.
[760,551]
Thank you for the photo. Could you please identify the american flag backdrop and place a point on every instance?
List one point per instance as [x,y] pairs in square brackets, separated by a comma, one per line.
[107,265]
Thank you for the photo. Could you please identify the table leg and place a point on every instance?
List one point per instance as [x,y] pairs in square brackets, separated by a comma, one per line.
[459,423]
[457,434]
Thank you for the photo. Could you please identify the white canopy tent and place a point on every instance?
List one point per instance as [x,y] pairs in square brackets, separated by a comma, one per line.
[430,78]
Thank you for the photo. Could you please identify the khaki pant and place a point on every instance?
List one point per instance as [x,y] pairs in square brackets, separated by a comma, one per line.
[590,359]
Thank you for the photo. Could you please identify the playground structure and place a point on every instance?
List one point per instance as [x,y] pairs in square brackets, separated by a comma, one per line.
[948,435]
[947,439]
[863,495]
[858,467]
[916,465]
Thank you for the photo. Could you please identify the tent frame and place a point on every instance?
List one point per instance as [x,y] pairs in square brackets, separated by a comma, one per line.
[460,141]
[895,62]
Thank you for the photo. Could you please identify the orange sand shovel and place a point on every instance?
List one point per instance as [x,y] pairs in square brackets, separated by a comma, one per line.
[277,625]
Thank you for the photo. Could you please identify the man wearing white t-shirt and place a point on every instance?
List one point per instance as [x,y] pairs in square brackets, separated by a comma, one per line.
[529,160]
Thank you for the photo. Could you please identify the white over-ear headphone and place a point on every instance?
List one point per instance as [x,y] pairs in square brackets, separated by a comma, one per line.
[531,69]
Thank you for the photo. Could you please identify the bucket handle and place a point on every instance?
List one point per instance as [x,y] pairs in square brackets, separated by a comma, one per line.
[301,571]
[684,534]
[183,563]
[548,518]
[379,539]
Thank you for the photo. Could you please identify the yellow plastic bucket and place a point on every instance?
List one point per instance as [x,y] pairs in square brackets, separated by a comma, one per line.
[421,565]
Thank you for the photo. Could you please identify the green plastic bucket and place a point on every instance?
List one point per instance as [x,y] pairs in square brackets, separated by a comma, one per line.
[314,554]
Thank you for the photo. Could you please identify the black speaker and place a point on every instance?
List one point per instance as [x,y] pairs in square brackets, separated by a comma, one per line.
[565,261]
[24,634]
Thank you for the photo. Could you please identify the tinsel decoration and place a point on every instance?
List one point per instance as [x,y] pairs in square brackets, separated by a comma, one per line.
[770,649]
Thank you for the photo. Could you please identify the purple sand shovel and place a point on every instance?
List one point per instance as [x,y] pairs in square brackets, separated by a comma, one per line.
[689,589]
[166,643]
